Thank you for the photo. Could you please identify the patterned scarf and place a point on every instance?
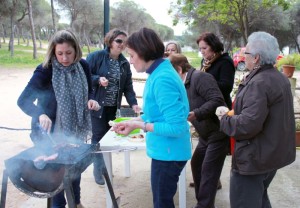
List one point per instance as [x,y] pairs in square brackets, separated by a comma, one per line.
[207,63]
[71,92]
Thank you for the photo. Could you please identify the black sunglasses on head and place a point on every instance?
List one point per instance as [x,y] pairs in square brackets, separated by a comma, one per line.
[120,41]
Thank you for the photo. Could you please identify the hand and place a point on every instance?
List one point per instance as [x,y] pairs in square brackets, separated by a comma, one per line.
[45,122]
[191,116]
[137,109]
[230,113]
[93,105]
[125,127]
[221,111]
[103,81]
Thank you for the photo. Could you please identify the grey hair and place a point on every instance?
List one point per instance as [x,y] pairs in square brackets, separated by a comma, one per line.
[175,43]
[265,45]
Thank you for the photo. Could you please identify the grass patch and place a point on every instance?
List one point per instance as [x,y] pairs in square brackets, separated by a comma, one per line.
[20,59]
[23,56]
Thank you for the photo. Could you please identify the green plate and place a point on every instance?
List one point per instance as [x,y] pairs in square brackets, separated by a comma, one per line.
[135,131]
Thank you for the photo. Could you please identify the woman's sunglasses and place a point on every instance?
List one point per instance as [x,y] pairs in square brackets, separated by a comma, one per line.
[119,41]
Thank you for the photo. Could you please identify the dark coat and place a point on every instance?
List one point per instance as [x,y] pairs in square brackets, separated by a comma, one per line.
[223,71]
[40,89]
[204,97]
[264,124]
[99,65]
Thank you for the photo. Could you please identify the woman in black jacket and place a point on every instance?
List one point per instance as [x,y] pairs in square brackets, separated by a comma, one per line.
[111,78]
[59,97]
[208,158]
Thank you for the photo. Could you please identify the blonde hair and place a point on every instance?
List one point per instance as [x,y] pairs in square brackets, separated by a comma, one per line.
[60,37]
[178,47]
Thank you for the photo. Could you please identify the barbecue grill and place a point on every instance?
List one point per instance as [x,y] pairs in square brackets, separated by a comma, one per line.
[47,179]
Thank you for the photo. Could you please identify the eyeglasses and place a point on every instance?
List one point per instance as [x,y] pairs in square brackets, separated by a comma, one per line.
[248,53]
[119,41]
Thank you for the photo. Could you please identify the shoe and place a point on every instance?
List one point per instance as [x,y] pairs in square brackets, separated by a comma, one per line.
[219,185]
[98,177]
[192,184]
[79,205]
[100,180]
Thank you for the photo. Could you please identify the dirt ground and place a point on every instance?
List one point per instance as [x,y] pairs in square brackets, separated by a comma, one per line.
[134,191]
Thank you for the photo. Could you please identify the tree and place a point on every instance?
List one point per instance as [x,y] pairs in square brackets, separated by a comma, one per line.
[53,15]
[32,28]
[129,16]
[233,12]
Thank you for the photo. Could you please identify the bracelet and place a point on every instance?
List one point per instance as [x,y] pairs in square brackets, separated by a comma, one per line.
[145,130]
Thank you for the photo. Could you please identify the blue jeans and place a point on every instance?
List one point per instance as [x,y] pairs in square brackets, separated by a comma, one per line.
[59,201]
[250,191]
[164,179]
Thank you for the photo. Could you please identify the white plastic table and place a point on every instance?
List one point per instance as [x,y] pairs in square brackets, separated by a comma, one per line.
[110,141]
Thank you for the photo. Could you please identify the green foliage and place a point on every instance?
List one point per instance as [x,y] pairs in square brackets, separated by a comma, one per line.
[291,59]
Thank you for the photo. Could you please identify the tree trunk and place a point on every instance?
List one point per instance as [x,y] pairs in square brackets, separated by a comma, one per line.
[53,16]
[86,41]
[4,33]
[32,28]
[11,41]
[40,41]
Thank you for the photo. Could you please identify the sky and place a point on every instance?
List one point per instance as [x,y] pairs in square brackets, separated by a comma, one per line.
[158,9]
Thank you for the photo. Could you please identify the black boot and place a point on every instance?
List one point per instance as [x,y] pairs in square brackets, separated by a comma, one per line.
[98,166]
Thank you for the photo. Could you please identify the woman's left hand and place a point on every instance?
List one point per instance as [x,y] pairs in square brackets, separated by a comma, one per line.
[125,127]
[93,105]
[137,109]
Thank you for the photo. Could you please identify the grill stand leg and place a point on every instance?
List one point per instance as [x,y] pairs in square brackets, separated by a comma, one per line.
[109,186]
[69,190]
[49,202]
[4,188]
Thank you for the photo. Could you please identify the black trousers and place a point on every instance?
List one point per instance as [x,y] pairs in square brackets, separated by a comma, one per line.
[100,127]
[207,164]
[248,191]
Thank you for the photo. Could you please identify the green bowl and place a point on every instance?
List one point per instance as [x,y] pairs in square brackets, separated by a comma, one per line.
[135,131]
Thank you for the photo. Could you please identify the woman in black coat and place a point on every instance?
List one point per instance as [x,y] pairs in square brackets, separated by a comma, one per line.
[208,158]
[59,98]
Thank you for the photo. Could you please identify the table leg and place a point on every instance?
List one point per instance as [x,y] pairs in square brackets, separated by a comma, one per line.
[127,164]
[182,188]
[108,163]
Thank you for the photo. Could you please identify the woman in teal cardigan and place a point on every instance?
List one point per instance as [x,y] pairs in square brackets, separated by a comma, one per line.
[165,109]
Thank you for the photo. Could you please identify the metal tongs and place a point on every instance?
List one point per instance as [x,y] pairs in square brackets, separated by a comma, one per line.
[40,164]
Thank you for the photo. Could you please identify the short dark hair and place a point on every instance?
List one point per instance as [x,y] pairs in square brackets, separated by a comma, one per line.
[212,40]
[146,44]
[111,36]
[179,60]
